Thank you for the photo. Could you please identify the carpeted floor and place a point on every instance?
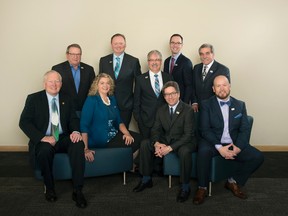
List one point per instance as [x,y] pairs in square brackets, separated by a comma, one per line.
[21,194]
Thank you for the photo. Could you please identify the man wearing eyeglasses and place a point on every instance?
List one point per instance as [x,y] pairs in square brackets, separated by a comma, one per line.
[180,67]
[77,76]
[173,130]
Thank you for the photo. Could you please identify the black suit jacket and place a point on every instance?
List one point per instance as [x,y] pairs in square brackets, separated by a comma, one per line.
[212,122]
[176,132]
[182,74]
[34,119]
[87,76]
[130,69]
[146,102]
[203,88]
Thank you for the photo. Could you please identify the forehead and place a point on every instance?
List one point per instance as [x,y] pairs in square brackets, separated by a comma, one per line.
[74,50]
[104,79]
[176,38]
[154,55]
[221,81]
[118,39]
[205,50]
[53,76]
[169,89]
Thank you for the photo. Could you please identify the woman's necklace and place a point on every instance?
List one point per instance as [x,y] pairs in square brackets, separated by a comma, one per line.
[107,101]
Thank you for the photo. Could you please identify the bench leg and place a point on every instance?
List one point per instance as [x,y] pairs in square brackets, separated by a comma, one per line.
[210,188]
[124,178]
[169,181]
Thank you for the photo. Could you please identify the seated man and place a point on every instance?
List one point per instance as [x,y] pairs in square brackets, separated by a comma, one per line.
[50,121]
[224,131]
[173,130]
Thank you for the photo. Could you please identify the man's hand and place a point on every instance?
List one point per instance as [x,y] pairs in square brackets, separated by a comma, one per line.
[49,139]
[75,137]
[226,153]
[89,155]
[161,149]
[195,107]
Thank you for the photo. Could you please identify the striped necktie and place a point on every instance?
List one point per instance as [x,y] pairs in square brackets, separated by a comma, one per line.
[157,85]
[117,67]
[204,73]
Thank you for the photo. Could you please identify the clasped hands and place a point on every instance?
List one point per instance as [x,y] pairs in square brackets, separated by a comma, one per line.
[229,152]
[161,149]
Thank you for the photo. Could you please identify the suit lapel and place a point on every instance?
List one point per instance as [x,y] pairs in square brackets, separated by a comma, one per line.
[148,84]
[177,112]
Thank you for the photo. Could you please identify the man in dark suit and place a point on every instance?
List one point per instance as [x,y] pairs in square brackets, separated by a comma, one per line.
[224,131]
[204,74]
[77,76]
[49,120]
[180,67]
[123,68]
[173,130]
[147,96]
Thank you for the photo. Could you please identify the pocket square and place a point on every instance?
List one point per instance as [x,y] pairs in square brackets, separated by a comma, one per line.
[238,116]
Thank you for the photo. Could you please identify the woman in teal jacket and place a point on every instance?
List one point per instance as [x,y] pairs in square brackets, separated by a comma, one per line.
[100,123]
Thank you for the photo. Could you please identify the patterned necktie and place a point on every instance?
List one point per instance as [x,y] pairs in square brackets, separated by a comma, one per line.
[54,120]
[171,113]
[204,73]
[157,85]
[172,64]
[117,67]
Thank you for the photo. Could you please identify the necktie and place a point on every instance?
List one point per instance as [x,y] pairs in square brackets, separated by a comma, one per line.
[171,113]
[204,73]
[222,103]
[172,65]
[157,85]
[117,67]
[54,120]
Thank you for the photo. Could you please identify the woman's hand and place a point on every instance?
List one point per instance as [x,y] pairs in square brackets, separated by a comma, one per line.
[89,155]
[128,139]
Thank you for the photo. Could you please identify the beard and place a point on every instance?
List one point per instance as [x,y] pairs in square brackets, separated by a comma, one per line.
[223,95]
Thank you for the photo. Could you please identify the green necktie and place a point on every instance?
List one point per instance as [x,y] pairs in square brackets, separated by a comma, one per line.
[55,120]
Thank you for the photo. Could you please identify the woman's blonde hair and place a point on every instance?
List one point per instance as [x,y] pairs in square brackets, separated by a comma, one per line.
[94,86]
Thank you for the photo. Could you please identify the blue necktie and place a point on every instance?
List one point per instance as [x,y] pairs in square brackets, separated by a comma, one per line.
[157,85]
[76,76]
[117,67]
[222,103]
[54,120]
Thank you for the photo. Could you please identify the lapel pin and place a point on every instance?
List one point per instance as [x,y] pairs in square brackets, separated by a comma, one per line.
[211,71]
[110,62]
[232,109]
[177,112]
[175,65]
[63,103]
[82,68]
[146,77]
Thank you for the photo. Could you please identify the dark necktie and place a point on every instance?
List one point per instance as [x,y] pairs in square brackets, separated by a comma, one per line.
[204,73]
[117,67]
[172,65]
[157,85]
[222,103]
[54,120]
[171,113]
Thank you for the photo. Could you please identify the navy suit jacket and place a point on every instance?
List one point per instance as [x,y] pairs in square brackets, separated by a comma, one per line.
[146,102]
[182,74]
[176,132]
[87,76]
[34,119]
[130,69]
[212,123]
[203,88]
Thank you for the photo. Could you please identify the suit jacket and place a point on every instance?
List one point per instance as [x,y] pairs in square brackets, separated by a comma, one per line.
[182,74]
[203,88]
[130,69]
[212,122]
[146,102]
[34,119]
[176,132]
[87,76]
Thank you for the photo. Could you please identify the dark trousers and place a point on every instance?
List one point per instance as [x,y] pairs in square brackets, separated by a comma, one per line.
[249,159]
[144,130]
[126,116]
[45,155]
[118,142]
[147,158]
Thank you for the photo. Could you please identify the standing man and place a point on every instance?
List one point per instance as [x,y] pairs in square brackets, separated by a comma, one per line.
[204,74]
[147,96]
[224,131]
[123,68]
[180,67]
[50,122]
[173,130]
[77,76]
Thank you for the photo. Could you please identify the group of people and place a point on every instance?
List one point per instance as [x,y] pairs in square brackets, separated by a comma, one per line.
[78,112]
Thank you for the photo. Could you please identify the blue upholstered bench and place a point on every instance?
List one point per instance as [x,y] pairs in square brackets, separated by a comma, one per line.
[220,168]
[107,161]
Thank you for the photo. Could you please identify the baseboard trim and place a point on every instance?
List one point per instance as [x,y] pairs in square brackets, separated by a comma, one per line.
[261,148]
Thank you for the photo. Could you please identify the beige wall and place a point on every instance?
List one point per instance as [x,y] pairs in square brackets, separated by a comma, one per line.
[250,38]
